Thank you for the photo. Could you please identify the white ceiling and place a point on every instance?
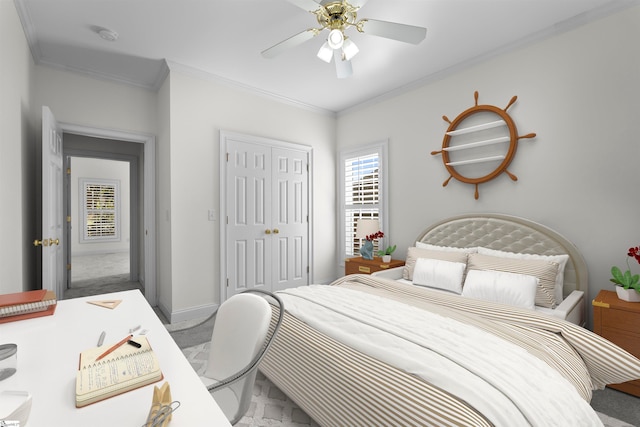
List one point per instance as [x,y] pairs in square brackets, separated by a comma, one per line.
[223,39]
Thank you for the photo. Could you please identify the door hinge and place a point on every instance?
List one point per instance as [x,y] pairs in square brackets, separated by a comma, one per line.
[68,218]
[308,269]
[227,157]
[227,282]
[68,171]
[68,266]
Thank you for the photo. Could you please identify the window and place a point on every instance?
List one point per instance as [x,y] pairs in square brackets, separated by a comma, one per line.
[100,209]
[362,193]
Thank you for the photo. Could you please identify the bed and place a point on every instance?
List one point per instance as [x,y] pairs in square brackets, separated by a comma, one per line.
[499,235]
[372,351]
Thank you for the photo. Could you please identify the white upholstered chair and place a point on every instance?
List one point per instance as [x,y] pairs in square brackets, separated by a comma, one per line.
[240,339]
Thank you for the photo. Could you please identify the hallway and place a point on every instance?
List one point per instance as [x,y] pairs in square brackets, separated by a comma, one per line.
[99,274]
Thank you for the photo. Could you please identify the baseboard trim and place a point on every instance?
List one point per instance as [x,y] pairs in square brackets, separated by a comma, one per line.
[193,313]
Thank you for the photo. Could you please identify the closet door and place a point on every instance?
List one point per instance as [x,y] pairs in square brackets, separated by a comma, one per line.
[267,230]
[248,217]
[290,219]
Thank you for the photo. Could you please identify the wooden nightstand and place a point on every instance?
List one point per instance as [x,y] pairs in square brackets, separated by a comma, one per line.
[618,321]
[359,265]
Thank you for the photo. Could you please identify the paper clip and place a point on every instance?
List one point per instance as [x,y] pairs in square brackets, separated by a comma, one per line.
[162,415]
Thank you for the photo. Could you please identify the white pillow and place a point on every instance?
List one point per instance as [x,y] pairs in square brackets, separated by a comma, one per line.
[413,254]
[498,286]
[439,274]
[560,259]
[422,245]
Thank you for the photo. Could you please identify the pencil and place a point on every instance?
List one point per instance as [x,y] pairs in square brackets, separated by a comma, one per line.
[114,347]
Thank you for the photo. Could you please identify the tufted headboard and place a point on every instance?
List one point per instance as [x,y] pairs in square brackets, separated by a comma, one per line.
[512,234]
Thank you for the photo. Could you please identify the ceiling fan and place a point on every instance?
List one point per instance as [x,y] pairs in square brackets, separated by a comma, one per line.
[336,16]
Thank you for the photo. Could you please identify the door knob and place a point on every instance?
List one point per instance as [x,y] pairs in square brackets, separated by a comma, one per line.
[276,231]
[52,242]
[267,231]
[44,242]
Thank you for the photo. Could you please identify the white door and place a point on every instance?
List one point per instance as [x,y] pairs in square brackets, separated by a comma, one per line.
[290,222]
[248,217]
[52,241]
[267,224]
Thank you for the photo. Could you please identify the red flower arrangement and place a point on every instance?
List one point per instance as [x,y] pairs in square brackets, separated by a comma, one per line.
[374,236]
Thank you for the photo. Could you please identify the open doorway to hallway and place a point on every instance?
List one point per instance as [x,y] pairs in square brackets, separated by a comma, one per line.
[100,223]
[104,210]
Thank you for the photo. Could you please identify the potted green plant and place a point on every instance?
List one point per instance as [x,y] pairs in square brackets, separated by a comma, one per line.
[627,284]
[386,254]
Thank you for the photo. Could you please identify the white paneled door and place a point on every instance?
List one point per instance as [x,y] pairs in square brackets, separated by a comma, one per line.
[52,209]
[267,222]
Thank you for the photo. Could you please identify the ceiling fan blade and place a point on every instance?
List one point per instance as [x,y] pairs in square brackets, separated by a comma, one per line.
[391,30]
[343,67]
[308,5]
[357,3]
[292,41]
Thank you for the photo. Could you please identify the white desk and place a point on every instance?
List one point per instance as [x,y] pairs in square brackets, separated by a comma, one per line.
[48,351]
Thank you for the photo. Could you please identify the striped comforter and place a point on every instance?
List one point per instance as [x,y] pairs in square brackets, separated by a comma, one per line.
[340,379]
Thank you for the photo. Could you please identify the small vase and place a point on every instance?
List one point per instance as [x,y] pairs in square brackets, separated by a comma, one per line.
[630,295]
[366,251]
[386,258]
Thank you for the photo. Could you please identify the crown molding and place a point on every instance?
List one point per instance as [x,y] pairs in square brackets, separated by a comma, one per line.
[204,75]
[577,21]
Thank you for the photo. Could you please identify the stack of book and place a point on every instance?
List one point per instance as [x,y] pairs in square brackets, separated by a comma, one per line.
[25,305]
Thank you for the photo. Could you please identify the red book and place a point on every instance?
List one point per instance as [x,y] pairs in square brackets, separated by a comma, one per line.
[25,305]
[22,297]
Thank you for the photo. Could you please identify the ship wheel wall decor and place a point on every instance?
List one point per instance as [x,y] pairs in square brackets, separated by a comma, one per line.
[476,140]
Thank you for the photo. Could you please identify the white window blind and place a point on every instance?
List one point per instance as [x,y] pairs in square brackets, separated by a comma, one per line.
[100,207]
[362,191]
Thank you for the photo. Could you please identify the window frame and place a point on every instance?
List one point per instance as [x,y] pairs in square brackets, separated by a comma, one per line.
[83,211]
[381,149]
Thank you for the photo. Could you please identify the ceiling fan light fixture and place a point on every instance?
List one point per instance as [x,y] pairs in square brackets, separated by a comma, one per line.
[349,49]
[325,53]
[343,67]
[335,39]
[337,16]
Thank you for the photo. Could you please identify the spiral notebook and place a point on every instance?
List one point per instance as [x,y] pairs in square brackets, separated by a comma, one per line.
[25,305]
[125,369]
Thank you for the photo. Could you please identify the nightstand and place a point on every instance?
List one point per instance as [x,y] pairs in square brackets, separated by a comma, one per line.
[359,265]
[618,321]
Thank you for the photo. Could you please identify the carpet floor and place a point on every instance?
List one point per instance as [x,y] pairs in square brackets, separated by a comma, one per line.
[104,266]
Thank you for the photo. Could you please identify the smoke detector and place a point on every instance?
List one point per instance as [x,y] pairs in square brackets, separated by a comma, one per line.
[107,34]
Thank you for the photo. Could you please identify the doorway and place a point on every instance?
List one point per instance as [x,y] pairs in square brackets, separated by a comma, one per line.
[51,263]
[103,184]
[100,206]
